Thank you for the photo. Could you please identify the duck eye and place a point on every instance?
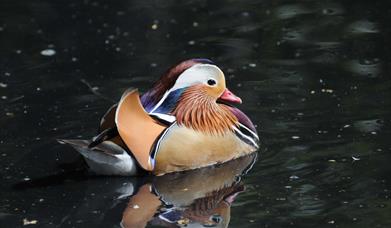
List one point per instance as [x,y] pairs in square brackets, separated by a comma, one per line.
[211,82]
[216,218]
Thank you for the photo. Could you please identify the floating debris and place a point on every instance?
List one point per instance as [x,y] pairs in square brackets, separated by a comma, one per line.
[327,91]
[294,177]
[154,27]
[29,222]
[48,52]
[356,158]
[3,85]
[136,206]
[295,137]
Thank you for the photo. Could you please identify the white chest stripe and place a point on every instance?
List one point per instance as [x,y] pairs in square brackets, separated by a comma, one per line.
[246,137]
[254,134]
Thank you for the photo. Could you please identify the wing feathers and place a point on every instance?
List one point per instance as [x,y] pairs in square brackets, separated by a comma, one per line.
[137,129]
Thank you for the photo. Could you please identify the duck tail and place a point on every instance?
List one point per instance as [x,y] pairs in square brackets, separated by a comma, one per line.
[106,158]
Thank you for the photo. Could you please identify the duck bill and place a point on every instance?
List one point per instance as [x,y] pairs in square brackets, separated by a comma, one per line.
[229,97]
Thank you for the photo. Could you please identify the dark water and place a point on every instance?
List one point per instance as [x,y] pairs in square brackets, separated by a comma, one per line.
[314,77]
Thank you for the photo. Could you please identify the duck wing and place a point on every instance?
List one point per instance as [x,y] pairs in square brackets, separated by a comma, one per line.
[137,128]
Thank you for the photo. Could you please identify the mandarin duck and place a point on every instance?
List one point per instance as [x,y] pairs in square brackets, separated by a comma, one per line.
[186,121]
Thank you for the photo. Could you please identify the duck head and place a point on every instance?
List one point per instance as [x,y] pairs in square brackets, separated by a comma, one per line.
[195,93]
[202,73]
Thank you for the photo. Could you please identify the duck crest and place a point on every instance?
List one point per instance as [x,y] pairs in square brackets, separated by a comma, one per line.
[199,111]
[167,81]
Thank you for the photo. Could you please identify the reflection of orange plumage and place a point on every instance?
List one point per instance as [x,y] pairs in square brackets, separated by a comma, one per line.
[197,198]
[182,123]
[137,217]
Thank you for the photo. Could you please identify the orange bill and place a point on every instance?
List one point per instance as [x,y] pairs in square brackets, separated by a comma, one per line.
[137,129]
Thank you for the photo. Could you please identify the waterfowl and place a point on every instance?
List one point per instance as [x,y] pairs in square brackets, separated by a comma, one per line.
[186,121]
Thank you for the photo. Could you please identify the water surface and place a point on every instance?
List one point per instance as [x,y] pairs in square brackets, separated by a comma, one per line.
[314,77]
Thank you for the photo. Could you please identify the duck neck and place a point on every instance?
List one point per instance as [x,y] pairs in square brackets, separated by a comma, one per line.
[199,111]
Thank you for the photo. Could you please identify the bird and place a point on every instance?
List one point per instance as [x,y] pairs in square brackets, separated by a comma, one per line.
[187,120]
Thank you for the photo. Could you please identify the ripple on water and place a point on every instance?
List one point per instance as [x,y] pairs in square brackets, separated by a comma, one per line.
[293,35]
[367,126]
[332,10]
[367,68]
[307,203]
[362,27]
[291,11]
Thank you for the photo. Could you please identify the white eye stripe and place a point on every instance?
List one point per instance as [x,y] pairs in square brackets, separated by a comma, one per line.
[199,73]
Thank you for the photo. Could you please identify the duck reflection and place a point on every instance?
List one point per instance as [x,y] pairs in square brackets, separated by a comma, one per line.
[197,198]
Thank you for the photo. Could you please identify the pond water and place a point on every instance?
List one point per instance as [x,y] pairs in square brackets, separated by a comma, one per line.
[314,77]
